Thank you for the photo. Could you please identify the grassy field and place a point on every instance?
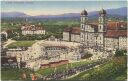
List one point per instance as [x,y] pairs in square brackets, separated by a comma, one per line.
[13,73]
[21,44]
[61,68]
[122,76]
[113,70]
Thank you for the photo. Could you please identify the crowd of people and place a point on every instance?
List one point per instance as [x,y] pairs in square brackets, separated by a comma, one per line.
[72,71]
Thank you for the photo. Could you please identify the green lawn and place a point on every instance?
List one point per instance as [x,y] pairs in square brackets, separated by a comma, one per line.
[21,44]
[14,73]
[122,76]
[61,68]
[112,70]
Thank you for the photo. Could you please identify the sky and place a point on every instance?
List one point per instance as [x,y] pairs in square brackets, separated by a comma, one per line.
[57,7]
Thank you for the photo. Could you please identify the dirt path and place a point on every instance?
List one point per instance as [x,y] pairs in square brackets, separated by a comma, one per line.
[8,42]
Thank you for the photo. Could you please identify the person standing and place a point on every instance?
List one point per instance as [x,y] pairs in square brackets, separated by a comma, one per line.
[34,77]
[24,76]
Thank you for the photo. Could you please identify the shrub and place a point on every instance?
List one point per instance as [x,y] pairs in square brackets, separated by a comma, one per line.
[120,52]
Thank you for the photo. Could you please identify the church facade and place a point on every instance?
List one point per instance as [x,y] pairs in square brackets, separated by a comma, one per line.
[92,35]
[99,36]
[104,35]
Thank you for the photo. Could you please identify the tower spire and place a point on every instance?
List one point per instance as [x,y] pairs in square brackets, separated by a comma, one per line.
[84,12]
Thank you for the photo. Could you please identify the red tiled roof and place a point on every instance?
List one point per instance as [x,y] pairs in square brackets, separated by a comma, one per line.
[115,25]
[44,64]
[54,62]
[32,27]
[115,33]
[73,30]
[111,34]
[67,29]
[63,60]
[50,63]
[122,33]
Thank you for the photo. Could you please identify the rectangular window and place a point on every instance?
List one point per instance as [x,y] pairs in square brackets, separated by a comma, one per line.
[100,38]
[82,36]
[96,38]
[82,26]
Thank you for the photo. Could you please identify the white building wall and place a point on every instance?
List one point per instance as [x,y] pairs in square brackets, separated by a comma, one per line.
[122,42]
[39,32]
[111,43]
[25,32]
[22,54]
[82,27]
[82,37]
[100,28]
[75,38]
[43,32]
[100,39]
[66,36]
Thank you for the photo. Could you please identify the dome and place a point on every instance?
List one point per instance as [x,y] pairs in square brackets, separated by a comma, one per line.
[84,12]
[102,11]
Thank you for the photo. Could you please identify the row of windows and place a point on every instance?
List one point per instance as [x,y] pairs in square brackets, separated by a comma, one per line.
[33,32]
[82,36]
[88,27]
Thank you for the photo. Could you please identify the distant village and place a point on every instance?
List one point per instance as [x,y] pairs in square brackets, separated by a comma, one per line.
[102,38]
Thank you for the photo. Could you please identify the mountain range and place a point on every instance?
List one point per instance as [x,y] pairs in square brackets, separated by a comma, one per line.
[118,12]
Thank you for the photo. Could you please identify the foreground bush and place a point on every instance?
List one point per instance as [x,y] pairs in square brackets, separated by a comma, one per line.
[14,73]
[121,52]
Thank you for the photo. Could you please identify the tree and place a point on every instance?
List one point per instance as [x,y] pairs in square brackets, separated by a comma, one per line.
[3,37]
[120,52]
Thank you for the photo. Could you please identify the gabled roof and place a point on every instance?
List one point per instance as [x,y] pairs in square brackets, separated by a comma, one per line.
[67,29]
[73,30]
[32,27]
